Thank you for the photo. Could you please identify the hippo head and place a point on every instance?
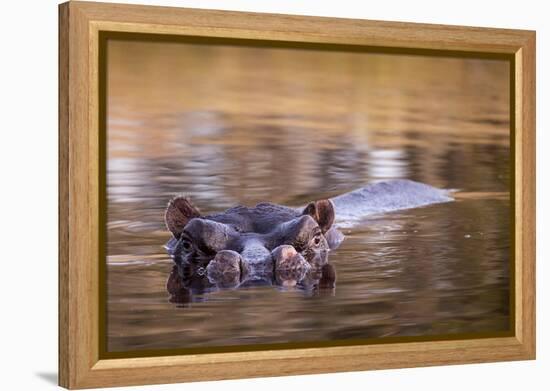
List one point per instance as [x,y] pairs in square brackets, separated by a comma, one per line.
[245,240]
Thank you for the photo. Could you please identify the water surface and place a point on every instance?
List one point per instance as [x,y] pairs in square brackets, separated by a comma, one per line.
[230,125]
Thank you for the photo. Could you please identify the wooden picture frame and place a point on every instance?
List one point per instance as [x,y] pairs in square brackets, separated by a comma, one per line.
[81,363]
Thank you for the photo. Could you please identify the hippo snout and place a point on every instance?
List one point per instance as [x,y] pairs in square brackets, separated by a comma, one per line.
[229,268]
[286,257]
[226,269]
[289,265]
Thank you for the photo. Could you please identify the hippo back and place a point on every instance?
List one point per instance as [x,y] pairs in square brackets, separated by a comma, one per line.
[385,196]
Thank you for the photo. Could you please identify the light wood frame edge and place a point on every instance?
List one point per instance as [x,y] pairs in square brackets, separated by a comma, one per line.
[79,363]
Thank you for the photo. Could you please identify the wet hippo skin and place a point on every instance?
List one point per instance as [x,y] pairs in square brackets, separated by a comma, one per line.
[276,243]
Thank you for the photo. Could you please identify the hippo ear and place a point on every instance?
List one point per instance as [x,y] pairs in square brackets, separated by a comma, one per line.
[178,213]
[323,212]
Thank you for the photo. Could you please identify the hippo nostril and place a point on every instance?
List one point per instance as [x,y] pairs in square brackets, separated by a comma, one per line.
[290,267]
[287,251]
[225,268]
[286,257]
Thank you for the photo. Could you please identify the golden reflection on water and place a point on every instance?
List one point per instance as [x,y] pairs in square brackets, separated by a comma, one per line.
[229,125]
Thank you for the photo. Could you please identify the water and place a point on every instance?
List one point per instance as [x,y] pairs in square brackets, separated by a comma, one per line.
[230,125]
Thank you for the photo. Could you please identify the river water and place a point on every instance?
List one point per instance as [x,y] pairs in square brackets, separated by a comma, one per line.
[231,125]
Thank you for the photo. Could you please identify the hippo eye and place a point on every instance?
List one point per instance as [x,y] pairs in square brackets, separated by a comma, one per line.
[186,245]
[317,240]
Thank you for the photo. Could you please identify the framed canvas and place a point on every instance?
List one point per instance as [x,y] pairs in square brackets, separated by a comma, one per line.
[247,195]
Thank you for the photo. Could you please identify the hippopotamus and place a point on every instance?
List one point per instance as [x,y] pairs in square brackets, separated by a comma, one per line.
[281,244]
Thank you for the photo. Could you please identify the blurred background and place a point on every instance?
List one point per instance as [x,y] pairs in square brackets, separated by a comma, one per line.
[228,125]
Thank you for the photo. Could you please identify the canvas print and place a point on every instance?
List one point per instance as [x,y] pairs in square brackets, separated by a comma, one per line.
[278,196]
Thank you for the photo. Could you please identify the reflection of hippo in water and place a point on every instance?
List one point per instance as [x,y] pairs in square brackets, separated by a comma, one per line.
[278,243]
[185,286]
